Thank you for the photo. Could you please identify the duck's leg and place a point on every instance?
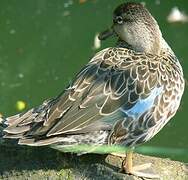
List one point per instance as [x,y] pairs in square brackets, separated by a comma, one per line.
[121,155]
[127,167]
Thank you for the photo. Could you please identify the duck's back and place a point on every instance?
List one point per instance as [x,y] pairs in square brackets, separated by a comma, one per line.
[119,97]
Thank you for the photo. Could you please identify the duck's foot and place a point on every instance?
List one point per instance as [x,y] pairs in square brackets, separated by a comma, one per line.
[121,155]
[141,171]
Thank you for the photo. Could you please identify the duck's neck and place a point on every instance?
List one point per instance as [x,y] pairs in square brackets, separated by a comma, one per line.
[161,49]
[123,44]
[165,48]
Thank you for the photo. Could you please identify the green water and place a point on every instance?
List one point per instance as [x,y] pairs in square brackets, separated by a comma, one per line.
[44,43]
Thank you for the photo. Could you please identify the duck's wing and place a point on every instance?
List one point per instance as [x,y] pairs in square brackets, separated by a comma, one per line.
[105,91]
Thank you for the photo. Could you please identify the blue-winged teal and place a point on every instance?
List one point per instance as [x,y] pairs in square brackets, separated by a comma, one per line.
[124,95]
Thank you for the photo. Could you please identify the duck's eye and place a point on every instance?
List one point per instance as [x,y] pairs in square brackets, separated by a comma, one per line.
[119,20]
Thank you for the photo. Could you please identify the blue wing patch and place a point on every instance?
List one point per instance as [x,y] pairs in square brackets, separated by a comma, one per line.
[143,104]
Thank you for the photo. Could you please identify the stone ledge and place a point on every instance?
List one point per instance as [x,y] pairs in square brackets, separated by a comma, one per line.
[22,162]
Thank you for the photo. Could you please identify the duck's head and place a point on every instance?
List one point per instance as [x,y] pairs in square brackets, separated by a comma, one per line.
[134,25]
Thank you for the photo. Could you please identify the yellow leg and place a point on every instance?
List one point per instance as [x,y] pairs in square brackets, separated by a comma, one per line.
[127,164]
[127,167]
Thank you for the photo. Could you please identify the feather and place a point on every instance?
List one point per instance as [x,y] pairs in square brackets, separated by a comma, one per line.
[119,90]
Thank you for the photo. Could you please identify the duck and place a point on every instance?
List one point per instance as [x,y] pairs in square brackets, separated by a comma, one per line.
[123,96]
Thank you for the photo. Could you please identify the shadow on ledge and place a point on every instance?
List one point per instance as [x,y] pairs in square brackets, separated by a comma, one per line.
[23,162]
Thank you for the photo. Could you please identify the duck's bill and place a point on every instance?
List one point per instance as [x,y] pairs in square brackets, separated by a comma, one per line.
[106,34]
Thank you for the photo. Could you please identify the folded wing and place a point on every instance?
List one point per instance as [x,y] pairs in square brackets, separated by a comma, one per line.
[105,91]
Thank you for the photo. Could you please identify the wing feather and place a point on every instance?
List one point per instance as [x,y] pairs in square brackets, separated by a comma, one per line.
[94,100]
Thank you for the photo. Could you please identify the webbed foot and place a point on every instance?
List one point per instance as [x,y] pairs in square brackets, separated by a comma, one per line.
[143,171]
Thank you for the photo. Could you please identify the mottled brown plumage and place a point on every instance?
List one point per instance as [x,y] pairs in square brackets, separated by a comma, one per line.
[123,96]
[112,83]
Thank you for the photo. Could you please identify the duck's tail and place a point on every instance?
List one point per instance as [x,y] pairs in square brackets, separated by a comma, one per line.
[2,127]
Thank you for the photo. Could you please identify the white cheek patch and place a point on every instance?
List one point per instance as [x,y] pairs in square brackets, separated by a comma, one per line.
[134,36]
[122,32]
[128,35]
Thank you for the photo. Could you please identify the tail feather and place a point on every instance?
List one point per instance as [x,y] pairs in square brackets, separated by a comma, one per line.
[20,124]
[11,120]
[2,127]
[17,130]
[42,142]
[27,127]
[21,119]
[13,136]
